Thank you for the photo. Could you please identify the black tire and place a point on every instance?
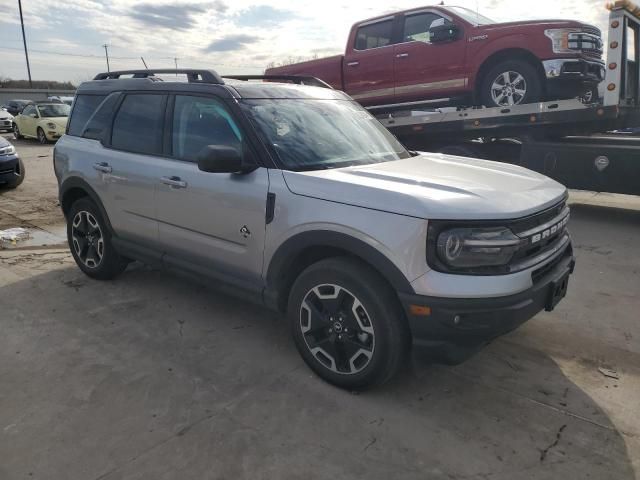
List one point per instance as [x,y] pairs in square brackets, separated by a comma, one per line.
[103,262]
[515,69]
[42,137]
[380,351]
[19,179]
[16,132]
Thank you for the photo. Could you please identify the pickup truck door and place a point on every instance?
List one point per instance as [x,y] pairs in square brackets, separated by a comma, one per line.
[210,221]
[368,63]
[426,70]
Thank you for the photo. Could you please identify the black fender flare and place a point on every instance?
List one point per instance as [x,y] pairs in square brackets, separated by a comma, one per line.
[286,253]
[78,183]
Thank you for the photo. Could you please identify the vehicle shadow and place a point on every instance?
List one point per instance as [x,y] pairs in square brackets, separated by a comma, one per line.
[153,376]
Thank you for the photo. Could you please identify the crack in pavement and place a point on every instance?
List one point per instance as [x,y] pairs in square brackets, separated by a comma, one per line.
[544,452]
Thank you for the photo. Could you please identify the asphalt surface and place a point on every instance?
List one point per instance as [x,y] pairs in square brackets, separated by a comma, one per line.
[154,377]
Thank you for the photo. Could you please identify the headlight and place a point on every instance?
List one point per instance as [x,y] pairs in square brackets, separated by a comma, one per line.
[560,39]
[470,248]
[51,125]
[10,150]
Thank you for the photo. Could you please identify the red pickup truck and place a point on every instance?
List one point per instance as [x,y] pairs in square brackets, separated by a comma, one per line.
[445,54]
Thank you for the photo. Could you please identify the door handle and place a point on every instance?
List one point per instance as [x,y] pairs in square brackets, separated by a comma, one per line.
[175,182]
[103,167]
[353,64]
[402,55]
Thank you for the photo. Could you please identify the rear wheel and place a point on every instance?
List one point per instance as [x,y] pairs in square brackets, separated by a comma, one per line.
[16,132]
[90,242]
[509,83]
[347,323]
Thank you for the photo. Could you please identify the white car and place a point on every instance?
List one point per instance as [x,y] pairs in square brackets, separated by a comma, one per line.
[6,121]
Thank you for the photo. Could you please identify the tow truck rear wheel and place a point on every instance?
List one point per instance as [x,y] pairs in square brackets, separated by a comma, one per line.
[509,83]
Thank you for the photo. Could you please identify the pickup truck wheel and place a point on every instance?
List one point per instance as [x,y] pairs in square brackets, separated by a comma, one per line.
[509,83]
[347,323]
[90,242]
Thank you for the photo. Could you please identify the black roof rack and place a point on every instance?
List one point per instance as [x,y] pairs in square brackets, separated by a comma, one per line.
[297,79]
[194,76]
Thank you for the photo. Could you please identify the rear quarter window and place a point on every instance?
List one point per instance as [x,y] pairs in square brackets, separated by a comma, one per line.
[83,109]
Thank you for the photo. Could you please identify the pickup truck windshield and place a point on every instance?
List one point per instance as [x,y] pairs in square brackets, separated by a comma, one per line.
[471,16]
[322,134]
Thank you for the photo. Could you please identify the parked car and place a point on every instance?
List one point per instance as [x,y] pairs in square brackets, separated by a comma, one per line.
[446,54]
[296,197]
[6,120]
[14,107]
[11,166]
[62,99]
[44,121]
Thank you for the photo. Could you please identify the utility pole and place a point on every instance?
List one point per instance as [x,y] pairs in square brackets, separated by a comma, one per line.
[24,40]
[106,53]
[175,59]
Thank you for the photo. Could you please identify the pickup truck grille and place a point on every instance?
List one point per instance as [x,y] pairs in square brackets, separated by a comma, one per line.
[587,43]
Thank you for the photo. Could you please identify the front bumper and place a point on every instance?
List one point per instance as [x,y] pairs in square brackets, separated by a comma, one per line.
[456,328]
[574,69]
[9,168]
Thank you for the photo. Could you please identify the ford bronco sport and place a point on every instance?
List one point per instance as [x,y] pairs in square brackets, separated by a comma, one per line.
[296,197]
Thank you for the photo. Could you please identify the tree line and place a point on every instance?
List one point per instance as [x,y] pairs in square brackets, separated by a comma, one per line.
[44,84]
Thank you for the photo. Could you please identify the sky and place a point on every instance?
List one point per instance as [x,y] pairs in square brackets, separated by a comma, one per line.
[65,38]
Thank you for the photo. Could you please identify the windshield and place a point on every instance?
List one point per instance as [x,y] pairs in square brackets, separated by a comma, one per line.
[471,16]
[54,110]
[322,134]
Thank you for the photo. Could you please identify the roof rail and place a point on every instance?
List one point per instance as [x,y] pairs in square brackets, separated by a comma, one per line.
[194,76]
[297,79]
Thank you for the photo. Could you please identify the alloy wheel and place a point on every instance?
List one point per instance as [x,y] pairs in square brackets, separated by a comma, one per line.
[508,88]
[337,329]
[87,238]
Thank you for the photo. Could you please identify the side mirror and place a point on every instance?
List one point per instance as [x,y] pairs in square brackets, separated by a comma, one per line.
[222,159]
[33,115]
[444,33]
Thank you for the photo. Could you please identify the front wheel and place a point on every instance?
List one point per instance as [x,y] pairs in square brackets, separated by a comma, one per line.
[509,83]
[42,138]
[347,323]
[90,242]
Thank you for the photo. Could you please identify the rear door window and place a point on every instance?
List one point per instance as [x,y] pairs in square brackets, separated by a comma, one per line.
[84,107]
[374,35]
[98,125]
[138,124]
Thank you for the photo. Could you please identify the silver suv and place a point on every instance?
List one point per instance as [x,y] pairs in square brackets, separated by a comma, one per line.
[294,196]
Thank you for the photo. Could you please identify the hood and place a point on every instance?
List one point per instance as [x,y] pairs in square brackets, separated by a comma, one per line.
[5,115]
[61,122]
[543,24]
[4,142]
[434,186]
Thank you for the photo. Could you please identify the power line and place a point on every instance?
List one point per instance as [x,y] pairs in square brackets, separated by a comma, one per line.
[111,57]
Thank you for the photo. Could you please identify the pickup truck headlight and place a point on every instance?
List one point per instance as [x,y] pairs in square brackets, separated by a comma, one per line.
[10,150]
[560,39]
[51,125]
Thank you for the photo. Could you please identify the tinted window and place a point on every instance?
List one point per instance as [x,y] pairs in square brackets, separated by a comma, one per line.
[198,122]
[374,35]
[98,125]
[138,124]
[84,107]
[417,27]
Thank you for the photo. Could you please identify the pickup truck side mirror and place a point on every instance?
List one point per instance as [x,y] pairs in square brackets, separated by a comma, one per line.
[444,33]
[222,159]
